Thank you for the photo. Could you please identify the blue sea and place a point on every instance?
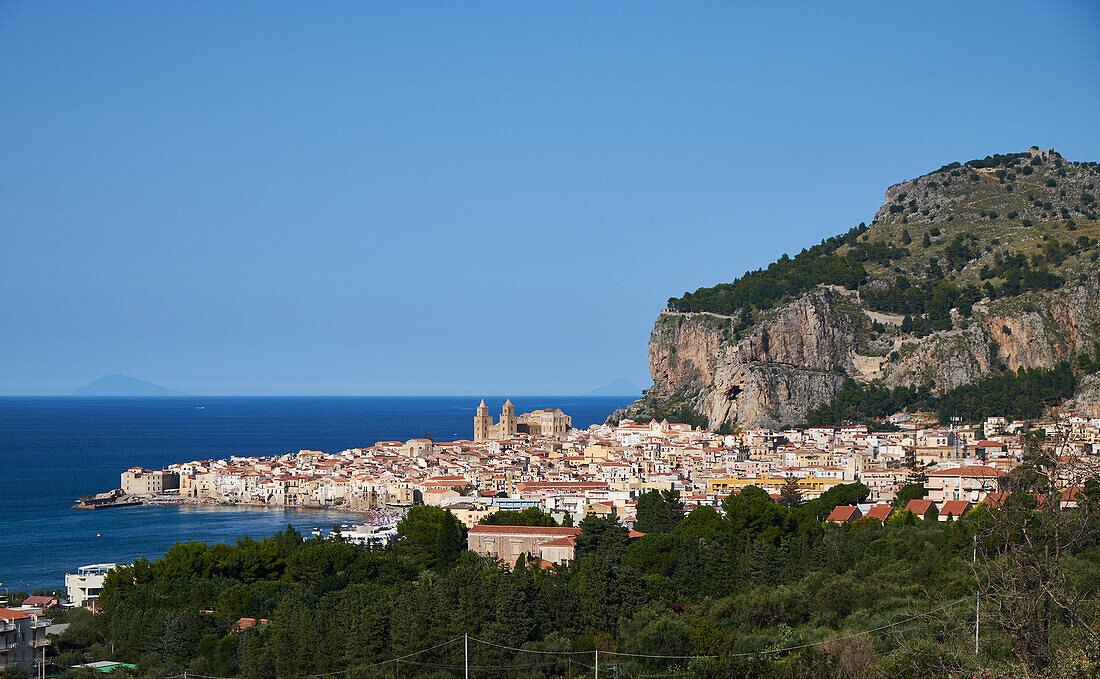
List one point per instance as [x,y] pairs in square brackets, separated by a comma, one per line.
[55,449]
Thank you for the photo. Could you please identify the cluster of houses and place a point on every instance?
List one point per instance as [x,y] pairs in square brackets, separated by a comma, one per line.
[604,468]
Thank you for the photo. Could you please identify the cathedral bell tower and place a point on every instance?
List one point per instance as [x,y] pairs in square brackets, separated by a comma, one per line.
[482,423]
[508,420]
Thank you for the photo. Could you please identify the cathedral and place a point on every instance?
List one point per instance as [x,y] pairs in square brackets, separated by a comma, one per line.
[545,422]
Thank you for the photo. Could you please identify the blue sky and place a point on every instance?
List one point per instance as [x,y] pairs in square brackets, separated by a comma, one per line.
[465,198]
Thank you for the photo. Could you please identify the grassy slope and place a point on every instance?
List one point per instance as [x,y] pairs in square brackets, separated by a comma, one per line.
[958,208]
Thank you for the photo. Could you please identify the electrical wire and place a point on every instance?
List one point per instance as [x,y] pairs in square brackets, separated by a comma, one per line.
[652,656]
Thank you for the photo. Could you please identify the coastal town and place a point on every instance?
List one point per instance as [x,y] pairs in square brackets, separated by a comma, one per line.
[538,460]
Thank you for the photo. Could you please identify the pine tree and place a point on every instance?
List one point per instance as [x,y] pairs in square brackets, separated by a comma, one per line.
[790,494]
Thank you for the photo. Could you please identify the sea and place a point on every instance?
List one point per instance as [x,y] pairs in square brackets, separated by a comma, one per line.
[53,450]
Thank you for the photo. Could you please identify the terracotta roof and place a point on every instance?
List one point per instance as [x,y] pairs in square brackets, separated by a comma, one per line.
[545,531]
[844,513]
[40,601]
[567,541]
[880,512]
[9,614]
[919,507]
[969,471]
[245,623]
[955,508]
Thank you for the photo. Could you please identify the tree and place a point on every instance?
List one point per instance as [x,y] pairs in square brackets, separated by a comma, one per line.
[659,511]
[602,537]
[927,240]
[790,494]
[13,672]
[1023,558]
[430,537]
[531,516]
[906,239]
[843,494]
[910,491]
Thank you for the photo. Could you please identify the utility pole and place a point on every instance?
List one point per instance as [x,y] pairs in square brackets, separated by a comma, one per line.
[466,645]
[977,595]
[597,663]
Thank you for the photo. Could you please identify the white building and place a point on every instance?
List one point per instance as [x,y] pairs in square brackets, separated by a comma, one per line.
[84,586]
[22,638]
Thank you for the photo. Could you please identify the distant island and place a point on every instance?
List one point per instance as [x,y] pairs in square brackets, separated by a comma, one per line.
[121,385]
[619,387]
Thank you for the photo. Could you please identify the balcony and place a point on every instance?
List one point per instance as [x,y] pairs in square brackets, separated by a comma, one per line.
[40,643]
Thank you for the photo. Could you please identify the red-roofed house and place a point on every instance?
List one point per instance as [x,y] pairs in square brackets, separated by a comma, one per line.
[508,542]
[1071,496]
[972,482]
[559,550]
[924,509]
[845,514]
[22,636]
[43,602]
[953,509]
[880,512]
[244,623]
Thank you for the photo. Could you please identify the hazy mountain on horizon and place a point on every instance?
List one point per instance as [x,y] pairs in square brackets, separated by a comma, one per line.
[619,387]
[121,385]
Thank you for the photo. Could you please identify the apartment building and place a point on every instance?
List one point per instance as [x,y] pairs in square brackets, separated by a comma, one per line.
[22,638]
[84,586]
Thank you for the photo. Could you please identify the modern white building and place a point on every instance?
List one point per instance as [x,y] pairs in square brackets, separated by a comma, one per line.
[84,586]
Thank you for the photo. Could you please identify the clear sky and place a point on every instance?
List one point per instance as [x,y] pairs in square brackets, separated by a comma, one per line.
[464,198]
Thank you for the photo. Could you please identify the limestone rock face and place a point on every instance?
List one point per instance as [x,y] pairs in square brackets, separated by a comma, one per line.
[954,229]
[799,355]
[1087,399]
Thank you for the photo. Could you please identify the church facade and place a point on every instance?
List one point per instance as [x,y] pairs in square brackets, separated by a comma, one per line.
[544,422]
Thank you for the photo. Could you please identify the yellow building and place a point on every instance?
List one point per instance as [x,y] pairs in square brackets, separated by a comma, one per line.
[771,483]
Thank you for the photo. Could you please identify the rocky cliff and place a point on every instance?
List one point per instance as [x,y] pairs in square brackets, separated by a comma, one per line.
[776,357]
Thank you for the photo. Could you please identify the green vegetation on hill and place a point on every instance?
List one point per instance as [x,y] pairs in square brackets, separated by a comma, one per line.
[984,233]
[820,265]
[1021,395]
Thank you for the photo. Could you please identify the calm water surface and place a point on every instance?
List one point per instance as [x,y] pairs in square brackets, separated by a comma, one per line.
[53,450]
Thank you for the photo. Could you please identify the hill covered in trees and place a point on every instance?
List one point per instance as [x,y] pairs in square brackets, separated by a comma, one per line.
[977,268]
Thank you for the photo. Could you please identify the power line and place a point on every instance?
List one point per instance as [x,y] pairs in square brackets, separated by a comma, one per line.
[569,654]
[528,650]
[850,636]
